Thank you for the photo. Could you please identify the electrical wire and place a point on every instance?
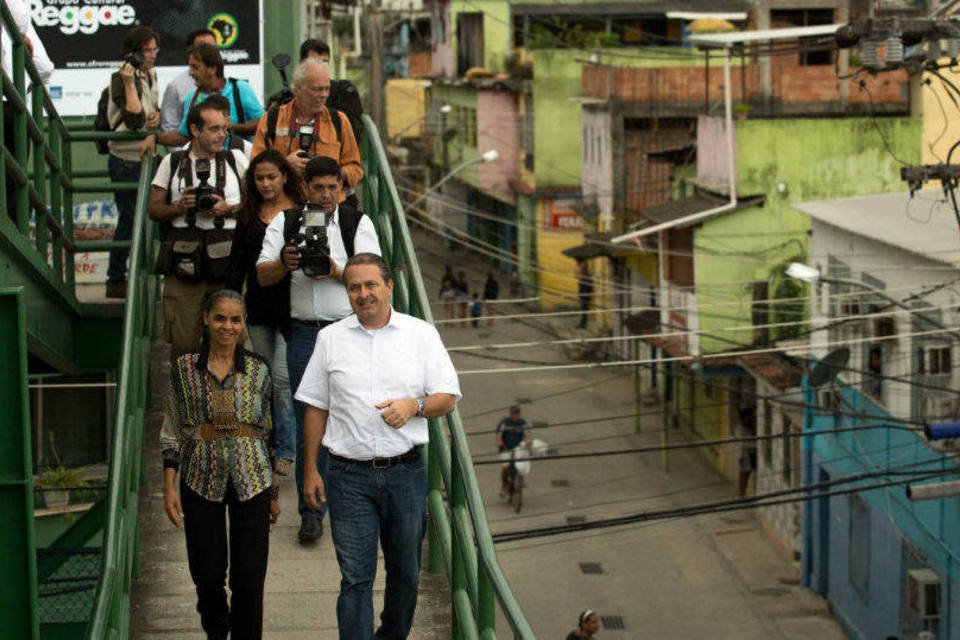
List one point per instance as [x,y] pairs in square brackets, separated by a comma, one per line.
[748,502]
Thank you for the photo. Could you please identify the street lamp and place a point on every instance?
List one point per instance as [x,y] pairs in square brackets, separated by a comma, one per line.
[486,156]
[802,272]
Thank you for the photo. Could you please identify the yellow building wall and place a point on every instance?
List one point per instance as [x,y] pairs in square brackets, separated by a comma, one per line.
[940,130]
[406,107]
[558,279]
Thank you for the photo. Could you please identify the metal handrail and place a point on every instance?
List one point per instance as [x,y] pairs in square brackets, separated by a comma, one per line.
[111,611]
[41,170]
[460,540]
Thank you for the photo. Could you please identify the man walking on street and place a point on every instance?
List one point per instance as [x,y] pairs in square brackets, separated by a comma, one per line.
[372,382]
[315,301]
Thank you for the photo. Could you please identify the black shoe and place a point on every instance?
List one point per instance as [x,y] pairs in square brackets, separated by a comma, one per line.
[311,530]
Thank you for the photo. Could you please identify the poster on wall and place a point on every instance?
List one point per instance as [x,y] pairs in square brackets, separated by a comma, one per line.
[83,39]
[562,214]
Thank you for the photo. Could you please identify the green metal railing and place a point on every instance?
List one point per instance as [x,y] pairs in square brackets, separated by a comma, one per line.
[111,611]
[460,541]
[41,256]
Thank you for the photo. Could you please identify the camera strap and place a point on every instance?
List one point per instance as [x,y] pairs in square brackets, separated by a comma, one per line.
[295,120]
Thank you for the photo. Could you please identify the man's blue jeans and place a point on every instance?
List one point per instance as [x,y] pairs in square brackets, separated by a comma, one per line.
[122,171]
[367,504]
[269,343]
[303,338]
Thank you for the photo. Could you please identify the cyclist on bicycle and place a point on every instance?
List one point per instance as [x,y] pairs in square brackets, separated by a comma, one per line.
[511,431]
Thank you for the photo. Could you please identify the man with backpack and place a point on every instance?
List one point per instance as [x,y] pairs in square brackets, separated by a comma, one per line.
[206,68]
[315,301]
[175,96]
[306,128]
[132,104]
[196,193]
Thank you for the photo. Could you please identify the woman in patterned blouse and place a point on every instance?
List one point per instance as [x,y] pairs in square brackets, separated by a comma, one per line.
[215,433]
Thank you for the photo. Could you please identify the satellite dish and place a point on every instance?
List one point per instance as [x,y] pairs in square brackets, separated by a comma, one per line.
[828,368]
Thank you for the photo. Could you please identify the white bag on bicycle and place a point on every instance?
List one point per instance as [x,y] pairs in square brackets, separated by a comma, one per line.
[538,448]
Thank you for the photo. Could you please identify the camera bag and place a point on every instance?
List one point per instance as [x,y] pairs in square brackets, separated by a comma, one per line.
[218,242]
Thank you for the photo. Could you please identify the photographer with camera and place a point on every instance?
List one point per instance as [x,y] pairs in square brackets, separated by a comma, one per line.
[305,128]
[309,246]
[133,105]
[197,193]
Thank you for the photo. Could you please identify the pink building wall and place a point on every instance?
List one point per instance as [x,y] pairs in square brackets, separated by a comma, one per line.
[498,127]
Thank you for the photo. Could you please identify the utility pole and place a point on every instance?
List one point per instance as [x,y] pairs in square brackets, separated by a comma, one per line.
[374,25]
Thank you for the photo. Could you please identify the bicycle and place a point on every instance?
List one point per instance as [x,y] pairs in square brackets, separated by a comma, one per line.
[514,482]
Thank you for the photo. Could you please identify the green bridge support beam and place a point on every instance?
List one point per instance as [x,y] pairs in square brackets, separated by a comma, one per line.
[18,589]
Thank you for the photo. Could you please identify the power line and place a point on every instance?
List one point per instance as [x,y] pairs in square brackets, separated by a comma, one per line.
[687,445]
[749,502]
[709,356]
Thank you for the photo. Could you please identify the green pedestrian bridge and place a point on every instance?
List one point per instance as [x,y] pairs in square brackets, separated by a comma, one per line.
[73,578]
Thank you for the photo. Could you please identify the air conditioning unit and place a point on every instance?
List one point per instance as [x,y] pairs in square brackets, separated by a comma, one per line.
[828,401]
[923,593]
[937,406]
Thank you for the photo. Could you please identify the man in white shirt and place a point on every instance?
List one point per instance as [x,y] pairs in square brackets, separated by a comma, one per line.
[373,381]
[315,301]
[173,199]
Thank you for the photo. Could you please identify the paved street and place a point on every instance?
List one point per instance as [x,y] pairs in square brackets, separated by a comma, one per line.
[715,576]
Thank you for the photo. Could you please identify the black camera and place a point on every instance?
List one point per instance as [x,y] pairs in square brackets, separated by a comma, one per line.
[134,59]
[312,243]
[204,191]
[305,140]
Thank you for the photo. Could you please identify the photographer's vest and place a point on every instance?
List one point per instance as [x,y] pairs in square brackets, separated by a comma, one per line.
[348,220]
[188,253]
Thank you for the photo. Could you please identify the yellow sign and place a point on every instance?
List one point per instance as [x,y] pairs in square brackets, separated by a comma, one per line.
[224,27]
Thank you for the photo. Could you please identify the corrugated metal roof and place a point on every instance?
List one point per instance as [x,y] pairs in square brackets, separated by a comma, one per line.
[776,369]
[689,206]
[925,226]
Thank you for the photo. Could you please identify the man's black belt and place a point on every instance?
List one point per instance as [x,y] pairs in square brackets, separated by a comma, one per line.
[319,324]
[383,463]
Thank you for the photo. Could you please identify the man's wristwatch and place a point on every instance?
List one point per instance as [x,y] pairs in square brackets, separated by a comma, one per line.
[421,407]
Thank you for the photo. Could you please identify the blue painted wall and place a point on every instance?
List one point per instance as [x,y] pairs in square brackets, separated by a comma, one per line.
[901,532]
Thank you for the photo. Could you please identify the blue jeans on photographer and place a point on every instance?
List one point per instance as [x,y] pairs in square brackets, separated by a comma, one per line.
[368,505]
[303,338]
[268,342]
[122,171]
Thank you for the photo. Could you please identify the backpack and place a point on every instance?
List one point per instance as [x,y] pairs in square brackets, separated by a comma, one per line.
[349,222]
[345,97]
[101,122]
